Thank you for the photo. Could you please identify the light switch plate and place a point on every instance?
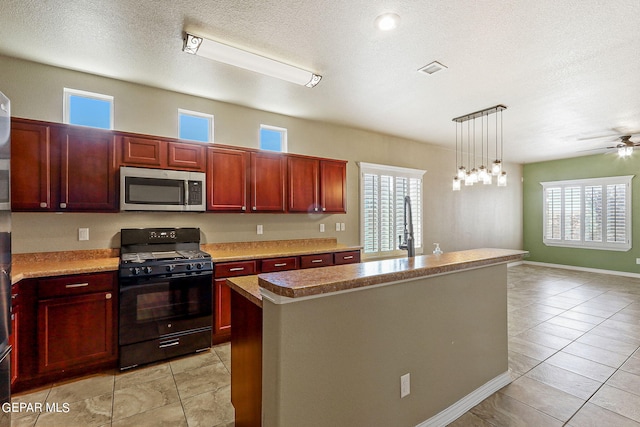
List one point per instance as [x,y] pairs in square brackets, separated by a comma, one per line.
[337,226]
[405,385]
[83,234]
[259,229]
[342,226]
[322,228]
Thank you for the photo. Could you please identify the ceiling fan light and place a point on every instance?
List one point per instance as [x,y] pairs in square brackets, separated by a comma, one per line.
[625,150]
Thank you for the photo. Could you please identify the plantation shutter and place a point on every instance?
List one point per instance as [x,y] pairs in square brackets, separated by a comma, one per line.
[616,213]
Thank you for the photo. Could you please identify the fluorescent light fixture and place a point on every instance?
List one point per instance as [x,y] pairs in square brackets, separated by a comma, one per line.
[249,61]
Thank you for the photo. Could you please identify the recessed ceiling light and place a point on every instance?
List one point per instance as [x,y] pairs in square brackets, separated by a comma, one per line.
[387,21]
[431,68]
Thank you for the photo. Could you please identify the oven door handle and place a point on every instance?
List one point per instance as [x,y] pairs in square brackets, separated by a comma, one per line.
[170,343]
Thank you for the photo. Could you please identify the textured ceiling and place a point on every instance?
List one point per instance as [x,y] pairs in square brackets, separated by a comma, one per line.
[566,70]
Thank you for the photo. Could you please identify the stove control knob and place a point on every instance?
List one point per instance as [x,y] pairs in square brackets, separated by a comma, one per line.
[148,270]
[135,270]
[200,265]
[190,266]
[170,267]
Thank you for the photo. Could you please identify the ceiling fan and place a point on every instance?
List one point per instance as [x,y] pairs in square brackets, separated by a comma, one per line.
[625,146]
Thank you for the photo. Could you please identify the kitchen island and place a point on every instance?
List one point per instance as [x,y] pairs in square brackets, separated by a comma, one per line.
[328,346]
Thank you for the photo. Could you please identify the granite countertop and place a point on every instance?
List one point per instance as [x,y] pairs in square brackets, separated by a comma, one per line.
[241,251]
[248,287]
[301,283]
[49,264]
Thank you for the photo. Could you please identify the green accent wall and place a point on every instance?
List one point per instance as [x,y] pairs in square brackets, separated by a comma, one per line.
[596,166]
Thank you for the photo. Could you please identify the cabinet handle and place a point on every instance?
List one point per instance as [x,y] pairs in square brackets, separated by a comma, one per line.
[236,269]
[77,285]
[280,264]
[43,204]
[317,260]
[169,343]
[63,205]
[108,296]
[348,257]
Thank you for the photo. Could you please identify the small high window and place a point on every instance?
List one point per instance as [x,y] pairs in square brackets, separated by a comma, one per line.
[273,138]
[88,109]
[195,126]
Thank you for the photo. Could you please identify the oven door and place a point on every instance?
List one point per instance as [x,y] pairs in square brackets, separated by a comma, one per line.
[151,308]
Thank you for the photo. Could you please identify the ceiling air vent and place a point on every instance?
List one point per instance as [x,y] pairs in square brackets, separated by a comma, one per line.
[432,68]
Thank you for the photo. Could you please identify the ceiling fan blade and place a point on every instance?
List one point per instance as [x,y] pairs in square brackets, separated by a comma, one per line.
[589,138]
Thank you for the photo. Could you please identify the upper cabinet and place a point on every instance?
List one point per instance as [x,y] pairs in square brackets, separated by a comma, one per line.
[227,184]
[159,153]
[317,185]
[62,168]
[268,182]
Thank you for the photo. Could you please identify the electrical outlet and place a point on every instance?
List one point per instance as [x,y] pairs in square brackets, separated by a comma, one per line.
[342,226]
[83,234]
[337,226]
[259,229]
[405,385]
[637,260]
[322,228]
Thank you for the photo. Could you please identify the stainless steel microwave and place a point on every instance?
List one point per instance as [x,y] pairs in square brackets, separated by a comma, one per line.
[143,189]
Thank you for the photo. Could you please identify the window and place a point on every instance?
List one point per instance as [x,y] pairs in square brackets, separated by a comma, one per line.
[195,126]
[383,189]
[588,213]
[273,138]
[88,109]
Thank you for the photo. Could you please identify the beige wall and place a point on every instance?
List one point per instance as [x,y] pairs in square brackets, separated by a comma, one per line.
[476,217]
[337,360]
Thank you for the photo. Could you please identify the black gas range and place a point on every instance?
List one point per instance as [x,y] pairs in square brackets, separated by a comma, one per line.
[165,295]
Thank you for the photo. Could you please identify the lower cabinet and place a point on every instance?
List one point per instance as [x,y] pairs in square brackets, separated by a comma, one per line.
[63,327]
[222,295]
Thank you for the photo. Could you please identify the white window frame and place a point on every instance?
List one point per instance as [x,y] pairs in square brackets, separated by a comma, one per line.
[66,103]
[197,114]
[417,210]
[582,242]
[283,132]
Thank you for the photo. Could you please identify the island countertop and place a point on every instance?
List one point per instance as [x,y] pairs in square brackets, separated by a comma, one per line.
[316,281]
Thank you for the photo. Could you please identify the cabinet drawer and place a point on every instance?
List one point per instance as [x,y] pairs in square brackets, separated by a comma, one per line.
[309,261]
[232,269]
[278,264]
[75,285]
[350,257]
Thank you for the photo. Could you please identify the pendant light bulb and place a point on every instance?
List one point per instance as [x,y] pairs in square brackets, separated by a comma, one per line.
[462,173]
[482,173]
[456,183]
[496,167]
[502,179]
[467,179]
[488,179]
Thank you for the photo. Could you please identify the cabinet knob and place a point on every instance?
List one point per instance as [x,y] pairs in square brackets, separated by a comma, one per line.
[244,208]
[324,209]
[43,204]
[315,209]
[63,205]
[254,208]
[107,296]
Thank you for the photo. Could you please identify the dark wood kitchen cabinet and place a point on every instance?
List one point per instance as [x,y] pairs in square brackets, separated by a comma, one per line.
[227,183]
[58,167]
[316,185]
[222,295]
[162,154]
[268,182]
[76,322]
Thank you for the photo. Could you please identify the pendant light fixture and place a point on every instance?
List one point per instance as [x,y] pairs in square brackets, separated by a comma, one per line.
[483,174]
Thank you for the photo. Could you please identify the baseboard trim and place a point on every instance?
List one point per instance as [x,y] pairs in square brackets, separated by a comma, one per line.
[587,269]
[458,409]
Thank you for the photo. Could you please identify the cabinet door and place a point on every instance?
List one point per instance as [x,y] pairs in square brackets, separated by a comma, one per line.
[303,184]
[222,299]
[30,167]
[227,184]
[75,331]
[268,172]
[185,156]
[142,152]
[16,318]
[333,189]
[87,170]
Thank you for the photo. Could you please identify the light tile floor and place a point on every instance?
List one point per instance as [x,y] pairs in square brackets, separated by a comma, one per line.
[574,358]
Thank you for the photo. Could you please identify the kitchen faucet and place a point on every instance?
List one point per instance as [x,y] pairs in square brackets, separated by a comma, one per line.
[408,244]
